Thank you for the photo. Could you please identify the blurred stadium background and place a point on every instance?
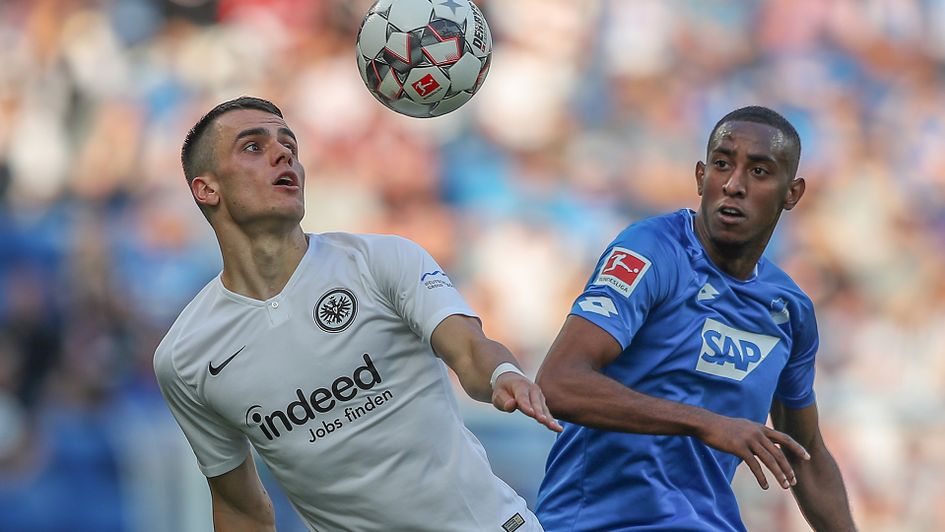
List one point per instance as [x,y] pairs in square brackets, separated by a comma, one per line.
[593,116]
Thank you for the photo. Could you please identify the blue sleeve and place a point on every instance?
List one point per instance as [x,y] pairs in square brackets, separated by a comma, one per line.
[629,280]
[796,384]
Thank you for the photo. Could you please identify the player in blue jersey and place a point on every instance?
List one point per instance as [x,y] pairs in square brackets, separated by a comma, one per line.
[683,341]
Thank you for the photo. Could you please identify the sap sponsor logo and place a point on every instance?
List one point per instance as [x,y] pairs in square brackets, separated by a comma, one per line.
[306,408]
[732,353]
[622,270]
[598,305]
[435,279]
[779,311]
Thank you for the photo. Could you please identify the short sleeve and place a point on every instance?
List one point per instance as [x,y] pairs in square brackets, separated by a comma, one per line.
[219,448]
[630,279]
[796,384]
[418,288]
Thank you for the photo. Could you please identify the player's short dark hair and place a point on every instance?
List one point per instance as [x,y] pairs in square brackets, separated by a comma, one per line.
[763,115]
[196,155]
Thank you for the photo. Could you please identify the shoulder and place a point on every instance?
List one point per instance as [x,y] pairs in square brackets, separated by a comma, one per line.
[380,260]
[800,304]
[657,236]
[167,356]
[651,252]
[367,244]
[165,365]
[771,273]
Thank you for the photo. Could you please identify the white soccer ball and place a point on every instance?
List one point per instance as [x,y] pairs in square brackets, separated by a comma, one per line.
[424,58]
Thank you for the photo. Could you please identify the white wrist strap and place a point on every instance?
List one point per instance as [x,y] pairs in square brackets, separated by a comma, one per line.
[505,367]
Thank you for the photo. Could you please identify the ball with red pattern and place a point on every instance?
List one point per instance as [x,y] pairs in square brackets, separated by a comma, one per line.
[424,58]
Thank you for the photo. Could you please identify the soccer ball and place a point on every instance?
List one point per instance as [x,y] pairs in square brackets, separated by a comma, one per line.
[424,58]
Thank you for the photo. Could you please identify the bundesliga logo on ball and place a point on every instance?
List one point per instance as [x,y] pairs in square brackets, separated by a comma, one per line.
[424,58]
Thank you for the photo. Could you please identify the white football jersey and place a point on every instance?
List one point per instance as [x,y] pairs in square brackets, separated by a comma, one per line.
[335,384]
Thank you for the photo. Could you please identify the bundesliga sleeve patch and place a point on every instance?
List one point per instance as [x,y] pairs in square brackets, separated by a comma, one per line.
[622,270]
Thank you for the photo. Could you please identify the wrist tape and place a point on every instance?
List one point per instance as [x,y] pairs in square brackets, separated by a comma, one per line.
[505,367]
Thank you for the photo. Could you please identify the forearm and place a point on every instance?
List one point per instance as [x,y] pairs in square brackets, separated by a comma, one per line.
[475,376]
[820,492]
[240,502]
[460,342]
[226,519]
[587,397]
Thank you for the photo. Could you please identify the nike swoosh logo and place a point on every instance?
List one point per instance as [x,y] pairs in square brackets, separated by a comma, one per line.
[216,370]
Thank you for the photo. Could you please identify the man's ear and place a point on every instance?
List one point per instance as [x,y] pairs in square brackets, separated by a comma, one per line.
[700,176]
[794,192]
[204,189]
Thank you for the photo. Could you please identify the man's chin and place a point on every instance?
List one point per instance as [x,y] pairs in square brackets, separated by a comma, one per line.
[729,240]
[275,221]
[721,236]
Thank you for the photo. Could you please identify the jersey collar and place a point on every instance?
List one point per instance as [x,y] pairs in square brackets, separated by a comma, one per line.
[293,279]
[696,246]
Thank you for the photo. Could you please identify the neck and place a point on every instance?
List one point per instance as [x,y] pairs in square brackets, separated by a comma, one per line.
[260,265]
[736,259]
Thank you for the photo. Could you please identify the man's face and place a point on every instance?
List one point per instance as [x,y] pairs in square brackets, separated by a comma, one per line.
[257,175]
[745,183]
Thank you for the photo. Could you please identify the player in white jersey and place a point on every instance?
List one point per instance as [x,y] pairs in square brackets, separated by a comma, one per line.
[320,351]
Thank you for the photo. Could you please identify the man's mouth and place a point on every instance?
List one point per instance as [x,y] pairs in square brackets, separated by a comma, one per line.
[288,179]
[731,213]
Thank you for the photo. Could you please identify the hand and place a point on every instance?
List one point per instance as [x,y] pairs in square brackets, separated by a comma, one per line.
[752,442]
[515,392]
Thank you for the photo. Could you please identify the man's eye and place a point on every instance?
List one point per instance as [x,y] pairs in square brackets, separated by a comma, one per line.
[292,147]
[721,164]
[252,146]
[759,171]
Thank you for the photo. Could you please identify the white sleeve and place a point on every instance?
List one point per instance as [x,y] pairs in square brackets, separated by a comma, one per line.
[219,448]
[418,288]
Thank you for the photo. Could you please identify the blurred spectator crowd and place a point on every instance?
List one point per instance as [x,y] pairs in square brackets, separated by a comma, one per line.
[594,115]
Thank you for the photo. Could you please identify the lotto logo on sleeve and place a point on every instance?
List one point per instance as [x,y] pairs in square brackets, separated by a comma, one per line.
[622,270]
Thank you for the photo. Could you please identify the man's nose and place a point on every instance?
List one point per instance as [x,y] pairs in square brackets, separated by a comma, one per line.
[283,153]
[735,184]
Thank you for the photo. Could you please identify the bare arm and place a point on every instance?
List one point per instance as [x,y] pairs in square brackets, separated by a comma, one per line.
[819,491]
[240,502]
[460,342]
[577,391]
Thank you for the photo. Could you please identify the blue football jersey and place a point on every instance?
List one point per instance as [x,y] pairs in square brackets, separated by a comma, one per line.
[692,334]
